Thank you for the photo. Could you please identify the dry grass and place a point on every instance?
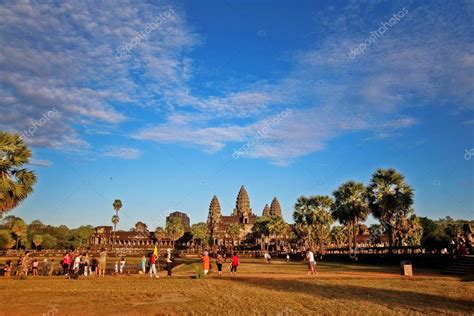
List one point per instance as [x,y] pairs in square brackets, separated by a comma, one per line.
[276,289]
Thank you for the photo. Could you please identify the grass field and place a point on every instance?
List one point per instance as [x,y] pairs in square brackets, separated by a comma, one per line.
[259,289]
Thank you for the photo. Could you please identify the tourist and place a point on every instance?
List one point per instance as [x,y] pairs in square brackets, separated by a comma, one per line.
[34,267]
[93,266]
[143,263]
[153,266]
[45,267]
[66,263]
[102,262]
[18,265]
[7,269]
[219,261]
[51,268]
[287,257]
[116,267]
[267,257]
[205,262]
[234,264]
[311,262]
[169,262]
[25,264]
[122,265]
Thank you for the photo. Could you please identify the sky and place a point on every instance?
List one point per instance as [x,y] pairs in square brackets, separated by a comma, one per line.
[165,104]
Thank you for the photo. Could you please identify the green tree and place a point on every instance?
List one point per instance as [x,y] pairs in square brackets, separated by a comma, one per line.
[16,182]
[260,229]
[6,240]
[174,229]
[19,228]
[313,219]
[350,207]
[339,235]
[233,230]
[200,233]
[390,199]
[49,242]
[160,233]
[277,227]
[117,206]
[37,240]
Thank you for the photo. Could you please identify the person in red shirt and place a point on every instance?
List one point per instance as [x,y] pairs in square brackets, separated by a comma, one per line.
[234,264]
[153,266]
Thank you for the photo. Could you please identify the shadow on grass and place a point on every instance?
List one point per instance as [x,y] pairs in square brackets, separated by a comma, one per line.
[391,298]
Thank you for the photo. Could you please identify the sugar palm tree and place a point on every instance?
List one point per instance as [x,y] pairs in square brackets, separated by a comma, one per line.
[174,229]
[260,230]
[16,182]
[160,233]
[390,199]
[277,227]
[313,219]
[19,228]
[117,206]
[350,207]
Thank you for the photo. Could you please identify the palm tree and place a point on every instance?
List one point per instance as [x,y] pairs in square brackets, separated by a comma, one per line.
[277,227]
[338,235]
[117,206]
[200,232]
[115,221]
[19,228]
[16,183]
[160,233]
[234,232]
[390,199]
[350,207]
[37,241]
[313,219]
[174,228]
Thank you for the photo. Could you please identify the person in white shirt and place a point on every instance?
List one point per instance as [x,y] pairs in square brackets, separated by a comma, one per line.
[311,262]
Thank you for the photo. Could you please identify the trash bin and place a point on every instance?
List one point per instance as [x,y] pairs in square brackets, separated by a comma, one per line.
[406,268]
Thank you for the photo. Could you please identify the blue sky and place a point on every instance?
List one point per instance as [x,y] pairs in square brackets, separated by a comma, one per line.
[288,98]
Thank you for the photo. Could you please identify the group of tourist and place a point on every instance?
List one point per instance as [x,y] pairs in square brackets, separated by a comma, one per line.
[220,260]
[75,264]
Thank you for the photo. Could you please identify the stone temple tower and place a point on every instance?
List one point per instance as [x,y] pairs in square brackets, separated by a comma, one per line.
[242,206]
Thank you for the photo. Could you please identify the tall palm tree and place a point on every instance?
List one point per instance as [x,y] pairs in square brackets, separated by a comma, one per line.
[260,230]
[277,227]
[160,233]
[19,228]
[115,221]
[37,240]
[390,199]
[117,206]
[313,218]
[16,182]
[350,207]
[174,229]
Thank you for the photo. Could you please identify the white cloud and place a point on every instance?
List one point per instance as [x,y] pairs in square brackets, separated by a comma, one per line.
[122,153]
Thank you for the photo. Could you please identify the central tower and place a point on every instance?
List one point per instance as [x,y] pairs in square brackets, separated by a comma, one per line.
[242,206]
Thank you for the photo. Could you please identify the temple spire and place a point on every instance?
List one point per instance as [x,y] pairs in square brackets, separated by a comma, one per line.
[266,211]
[275,208]
[242,205]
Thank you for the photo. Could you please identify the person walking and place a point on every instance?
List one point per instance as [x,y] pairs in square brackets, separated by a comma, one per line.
[234,264]
[93,266]
[153,266]
[51,268]
[143,264]
[219,261]
[102,262]
[311,262]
